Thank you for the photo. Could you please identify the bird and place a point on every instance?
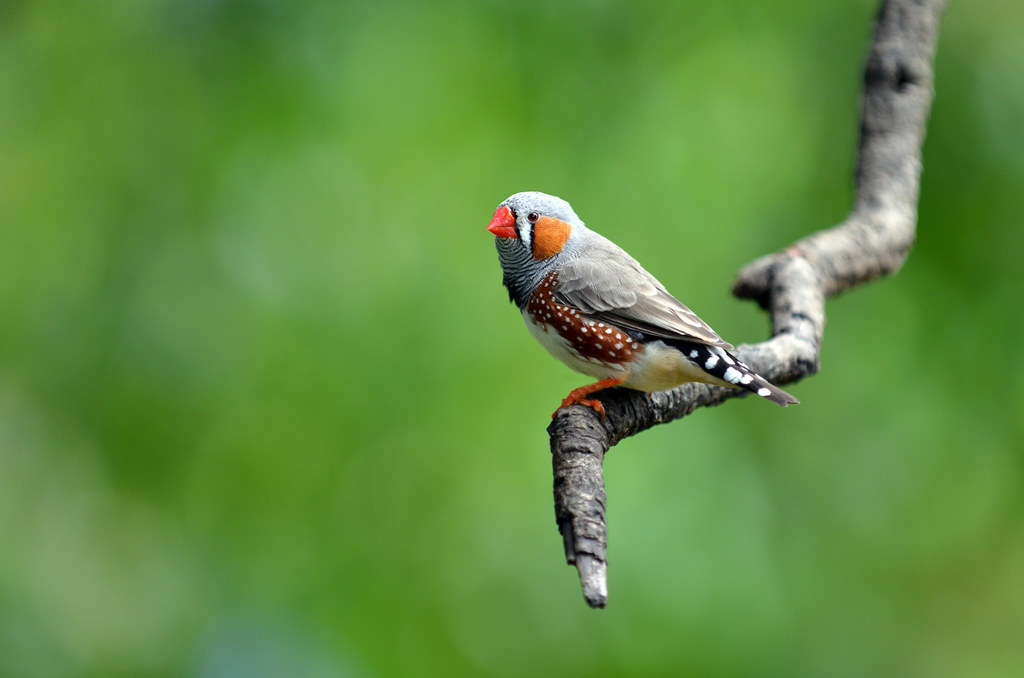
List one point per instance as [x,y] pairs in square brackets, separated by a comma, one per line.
[596,309]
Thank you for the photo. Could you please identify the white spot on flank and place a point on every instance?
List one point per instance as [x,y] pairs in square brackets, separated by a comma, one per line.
[746,379]
[611,353]
[727,359]
[732,375]
[764,392]
[693,354]
[712,361]
[583,329]
[608,331]
[598,346]
[618,346]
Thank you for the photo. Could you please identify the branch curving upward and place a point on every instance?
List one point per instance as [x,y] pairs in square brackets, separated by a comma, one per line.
[791,285]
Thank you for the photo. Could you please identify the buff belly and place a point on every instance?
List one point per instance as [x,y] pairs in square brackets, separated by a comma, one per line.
[656,367]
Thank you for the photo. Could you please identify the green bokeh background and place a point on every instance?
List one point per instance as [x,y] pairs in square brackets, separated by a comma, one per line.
[265,409]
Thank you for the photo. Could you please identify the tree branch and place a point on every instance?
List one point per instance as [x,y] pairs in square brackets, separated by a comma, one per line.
[791,285]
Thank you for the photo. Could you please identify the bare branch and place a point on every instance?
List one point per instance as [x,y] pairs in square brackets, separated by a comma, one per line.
[792,284]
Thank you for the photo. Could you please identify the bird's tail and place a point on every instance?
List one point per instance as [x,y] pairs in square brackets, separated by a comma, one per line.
[725,369]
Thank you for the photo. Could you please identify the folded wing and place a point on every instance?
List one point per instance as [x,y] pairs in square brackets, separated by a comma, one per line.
[611,286]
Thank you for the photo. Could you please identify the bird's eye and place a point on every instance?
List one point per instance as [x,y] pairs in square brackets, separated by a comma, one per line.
[532,217]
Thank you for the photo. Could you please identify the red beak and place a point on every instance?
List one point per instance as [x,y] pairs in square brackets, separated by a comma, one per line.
[503,224]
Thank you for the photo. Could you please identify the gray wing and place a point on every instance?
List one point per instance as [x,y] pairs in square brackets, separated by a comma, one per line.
[611,286]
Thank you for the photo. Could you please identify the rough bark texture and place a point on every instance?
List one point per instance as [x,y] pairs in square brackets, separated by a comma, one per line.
[791,285]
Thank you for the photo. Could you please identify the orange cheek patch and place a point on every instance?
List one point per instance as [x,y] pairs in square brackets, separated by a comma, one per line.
[549,237]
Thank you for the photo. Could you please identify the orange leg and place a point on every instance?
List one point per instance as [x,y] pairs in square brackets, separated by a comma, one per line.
[578,395]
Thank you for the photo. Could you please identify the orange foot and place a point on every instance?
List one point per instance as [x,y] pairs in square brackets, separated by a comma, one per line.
[578,395]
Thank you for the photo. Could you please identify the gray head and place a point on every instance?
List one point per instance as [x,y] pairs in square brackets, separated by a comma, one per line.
[531,230]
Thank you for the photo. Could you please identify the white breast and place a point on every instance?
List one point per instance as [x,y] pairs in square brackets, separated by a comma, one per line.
[561,349]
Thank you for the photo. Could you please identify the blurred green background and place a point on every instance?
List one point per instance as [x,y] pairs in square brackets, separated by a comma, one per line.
[266,411]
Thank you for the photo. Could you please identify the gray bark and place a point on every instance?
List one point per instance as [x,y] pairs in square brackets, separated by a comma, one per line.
[791,285]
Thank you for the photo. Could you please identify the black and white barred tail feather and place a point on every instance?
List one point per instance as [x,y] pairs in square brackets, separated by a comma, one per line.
[728,370]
